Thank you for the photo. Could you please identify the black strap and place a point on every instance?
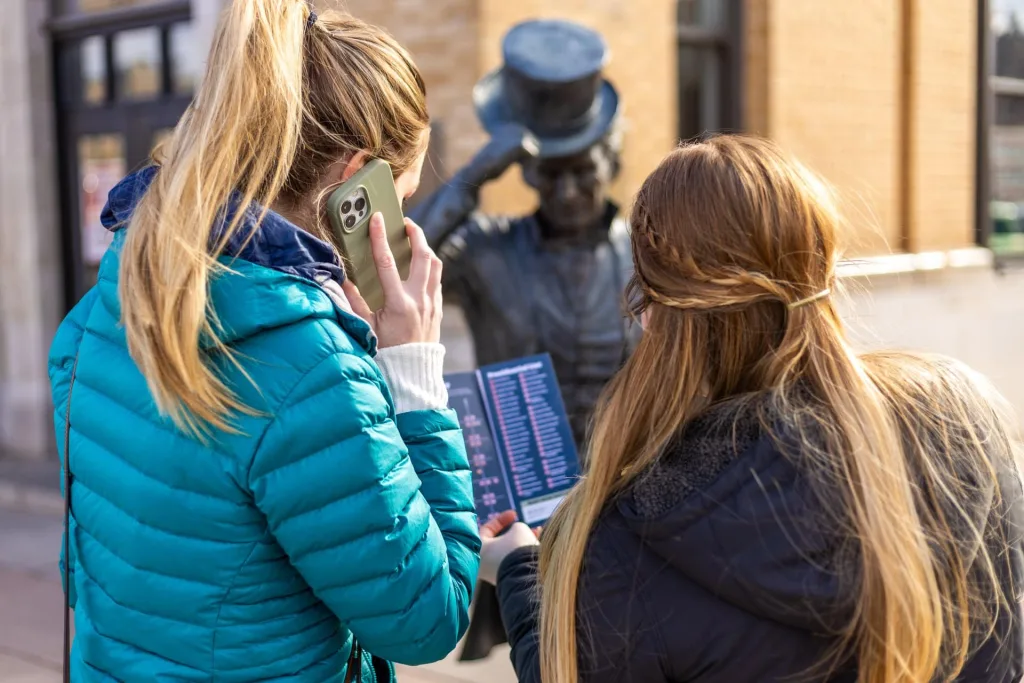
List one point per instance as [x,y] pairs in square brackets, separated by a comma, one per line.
[355,663]
[67,528]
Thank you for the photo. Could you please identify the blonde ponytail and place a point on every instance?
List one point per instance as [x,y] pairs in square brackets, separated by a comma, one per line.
[279,103]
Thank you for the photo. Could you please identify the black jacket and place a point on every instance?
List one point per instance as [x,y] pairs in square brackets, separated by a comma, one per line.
[717,567]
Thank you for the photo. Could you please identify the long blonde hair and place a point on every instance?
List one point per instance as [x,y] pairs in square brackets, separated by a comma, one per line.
[278,105]
[726,233]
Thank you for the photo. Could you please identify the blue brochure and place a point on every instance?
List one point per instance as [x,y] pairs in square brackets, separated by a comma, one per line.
[517,435]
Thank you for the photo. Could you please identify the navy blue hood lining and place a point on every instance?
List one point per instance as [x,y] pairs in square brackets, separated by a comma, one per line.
[274,242]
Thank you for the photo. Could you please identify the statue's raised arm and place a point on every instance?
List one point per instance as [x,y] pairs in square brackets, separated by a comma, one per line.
[450,205]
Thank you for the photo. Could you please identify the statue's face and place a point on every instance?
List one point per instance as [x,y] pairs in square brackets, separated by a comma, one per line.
[573,190]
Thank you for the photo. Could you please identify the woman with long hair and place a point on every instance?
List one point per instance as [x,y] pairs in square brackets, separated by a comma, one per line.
[265,481]
[762,502]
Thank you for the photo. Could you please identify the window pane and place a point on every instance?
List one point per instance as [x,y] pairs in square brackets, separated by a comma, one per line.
[137,63]
[703,13]
[700,95]
[104,5]
[1008,31]
[1007,175]
[186,61]
[94,69]
[101,164]
[1009,110]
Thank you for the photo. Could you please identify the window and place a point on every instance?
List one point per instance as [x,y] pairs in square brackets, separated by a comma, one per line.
[138,64]
[1003,112]
[94,69]
[186,61]
[101,165]
[95,6]
[709,66]
[126,71]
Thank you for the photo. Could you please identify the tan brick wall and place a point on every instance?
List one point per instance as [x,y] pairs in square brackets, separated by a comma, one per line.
[840,111]
[755,67]
[941,97]
[455,42]
[878,96]
[833,98]
[443,37]
[641,35]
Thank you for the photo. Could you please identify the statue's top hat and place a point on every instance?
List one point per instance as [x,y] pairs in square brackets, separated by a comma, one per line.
[551,83]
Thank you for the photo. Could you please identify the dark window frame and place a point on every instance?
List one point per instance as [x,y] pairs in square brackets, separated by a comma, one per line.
[983,125]
[135,120]
[989,87]
[726,44]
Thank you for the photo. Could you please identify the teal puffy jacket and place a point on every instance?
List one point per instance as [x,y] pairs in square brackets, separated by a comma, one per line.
[261,556]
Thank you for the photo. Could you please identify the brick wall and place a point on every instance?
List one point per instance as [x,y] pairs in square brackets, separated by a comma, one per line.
[443,37]
[884,109]
[833,98]
[455,42]
[941,97]
[755,67]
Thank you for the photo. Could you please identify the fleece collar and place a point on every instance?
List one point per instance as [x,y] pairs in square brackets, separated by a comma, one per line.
[275,242]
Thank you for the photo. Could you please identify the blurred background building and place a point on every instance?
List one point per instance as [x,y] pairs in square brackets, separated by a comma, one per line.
[913,108]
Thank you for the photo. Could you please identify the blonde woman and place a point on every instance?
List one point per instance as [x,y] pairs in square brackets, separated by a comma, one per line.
[763,503]
[265,482]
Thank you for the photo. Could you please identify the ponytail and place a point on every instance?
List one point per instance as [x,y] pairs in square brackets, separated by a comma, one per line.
[274,110]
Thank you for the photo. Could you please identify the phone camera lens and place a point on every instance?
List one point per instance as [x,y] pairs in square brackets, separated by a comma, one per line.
[346,207]
[360,204]
[350,222]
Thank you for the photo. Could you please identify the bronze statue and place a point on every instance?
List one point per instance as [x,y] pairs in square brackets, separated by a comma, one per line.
[551,281]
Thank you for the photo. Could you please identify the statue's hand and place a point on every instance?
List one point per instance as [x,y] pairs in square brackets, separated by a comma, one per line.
[509,145]
[448,207]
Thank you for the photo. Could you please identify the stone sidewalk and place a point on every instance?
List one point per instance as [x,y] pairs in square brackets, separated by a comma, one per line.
[31,596]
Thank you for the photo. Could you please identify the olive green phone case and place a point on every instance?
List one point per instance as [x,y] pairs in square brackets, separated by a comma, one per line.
[369,190]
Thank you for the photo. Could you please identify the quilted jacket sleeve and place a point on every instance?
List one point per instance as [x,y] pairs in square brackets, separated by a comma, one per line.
[376,514]
[61,361]
[617,639]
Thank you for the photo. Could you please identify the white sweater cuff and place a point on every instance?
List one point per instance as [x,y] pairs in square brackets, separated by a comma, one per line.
[415,375]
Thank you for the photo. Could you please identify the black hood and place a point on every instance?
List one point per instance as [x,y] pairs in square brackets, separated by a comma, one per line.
[729,511]
[733,513]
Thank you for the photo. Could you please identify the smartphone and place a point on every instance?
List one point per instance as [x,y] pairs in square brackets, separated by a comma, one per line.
[370,190]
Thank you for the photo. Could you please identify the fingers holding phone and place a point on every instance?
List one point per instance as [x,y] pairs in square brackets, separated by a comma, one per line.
[423,259]
[412,309]
[425,255]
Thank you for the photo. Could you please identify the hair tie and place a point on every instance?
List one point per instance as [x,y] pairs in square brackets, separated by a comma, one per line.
[311,20]
[823,294]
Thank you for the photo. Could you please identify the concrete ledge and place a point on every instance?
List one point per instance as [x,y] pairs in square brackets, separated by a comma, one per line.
[925,261]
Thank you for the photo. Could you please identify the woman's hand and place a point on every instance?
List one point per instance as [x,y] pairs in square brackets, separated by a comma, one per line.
[412,309]
[496,548]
